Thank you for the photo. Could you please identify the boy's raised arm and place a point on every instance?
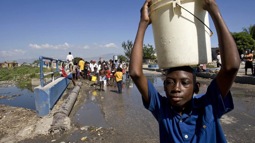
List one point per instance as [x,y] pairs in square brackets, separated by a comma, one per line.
[136,58]
[228,50]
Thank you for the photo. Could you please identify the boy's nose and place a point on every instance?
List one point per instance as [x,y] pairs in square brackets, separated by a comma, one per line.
[177,86]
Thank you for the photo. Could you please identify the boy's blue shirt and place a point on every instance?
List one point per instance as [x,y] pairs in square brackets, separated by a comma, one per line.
[200,125]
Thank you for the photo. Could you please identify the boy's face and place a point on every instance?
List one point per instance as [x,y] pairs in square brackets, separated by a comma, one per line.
[179,87]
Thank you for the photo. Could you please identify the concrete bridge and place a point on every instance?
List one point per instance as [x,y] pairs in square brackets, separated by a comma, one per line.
[48,93]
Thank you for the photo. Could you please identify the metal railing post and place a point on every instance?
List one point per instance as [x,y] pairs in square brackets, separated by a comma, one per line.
[41,71]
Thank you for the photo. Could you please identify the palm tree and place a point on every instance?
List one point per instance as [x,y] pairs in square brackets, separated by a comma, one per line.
[250,30]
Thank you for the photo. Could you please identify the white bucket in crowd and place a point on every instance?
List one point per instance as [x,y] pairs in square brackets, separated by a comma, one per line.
[181,32]
[115,57]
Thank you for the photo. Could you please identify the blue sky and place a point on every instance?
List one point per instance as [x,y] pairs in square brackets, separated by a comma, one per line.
[87,28]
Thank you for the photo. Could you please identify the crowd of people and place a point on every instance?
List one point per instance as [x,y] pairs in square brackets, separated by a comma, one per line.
[102,73]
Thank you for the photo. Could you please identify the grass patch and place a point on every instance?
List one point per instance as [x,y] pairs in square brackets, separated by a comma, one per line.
[22,75]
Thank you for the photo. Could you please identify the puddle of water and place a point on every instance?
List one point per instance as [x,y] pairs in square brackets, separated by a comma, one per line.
[90,114]
[14,96]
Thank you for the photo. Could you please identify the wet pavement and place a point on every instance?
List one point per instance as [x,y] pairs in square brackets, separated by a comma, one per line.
[106,116]
[109,117]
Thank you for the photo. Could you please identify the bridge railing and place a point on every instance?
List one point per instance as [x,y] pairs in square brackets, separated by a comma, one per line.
[49,63]
[48,92]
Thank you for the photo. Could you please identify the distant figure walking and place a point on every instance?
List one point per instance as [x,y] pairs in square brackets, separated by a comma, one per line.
[218,59]
[101,79]
[248,61]
[118,77]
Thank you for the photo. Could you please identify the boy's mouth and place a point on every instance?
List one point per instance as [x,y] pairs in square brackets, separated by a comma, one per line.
[175,98]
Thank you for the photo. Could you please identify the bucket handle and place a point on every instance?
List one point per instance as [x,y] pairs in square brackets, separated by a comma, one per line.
[196,18]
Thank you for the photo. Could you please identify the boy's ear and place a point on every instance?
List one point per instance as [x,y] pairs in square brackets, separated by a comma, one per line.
[196,87]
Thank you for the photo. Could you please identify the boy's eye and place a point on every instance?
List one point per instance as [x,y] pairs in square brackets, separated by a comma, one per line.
[170,82]
[185,82]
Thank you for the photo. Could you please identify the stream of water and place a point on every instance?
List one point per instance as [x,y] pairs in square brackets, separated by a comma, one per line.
[14,96]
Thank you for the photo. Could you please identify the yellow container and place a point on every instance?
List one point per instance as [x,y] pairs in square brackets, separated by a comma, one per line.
[93,78]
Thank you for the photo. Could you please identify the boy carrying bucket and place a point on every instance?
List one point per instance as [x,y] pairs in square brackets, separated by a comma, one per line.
[183,117]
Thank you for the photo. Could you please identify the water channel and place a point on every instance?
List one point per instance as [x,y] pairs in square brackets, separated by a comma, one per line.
[14,96]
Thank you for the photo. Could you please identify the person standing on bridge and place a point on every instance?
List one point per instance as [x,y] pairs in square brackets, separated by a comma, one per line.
[183,117]
[69,59]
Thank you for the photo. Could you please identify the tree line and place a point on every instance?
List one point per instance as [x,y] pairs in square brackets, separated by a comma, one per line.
[245,40]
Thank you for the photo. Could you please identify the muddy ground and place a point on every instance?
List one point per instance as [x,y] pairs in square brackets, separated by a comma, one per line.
[19,124]
[14,120]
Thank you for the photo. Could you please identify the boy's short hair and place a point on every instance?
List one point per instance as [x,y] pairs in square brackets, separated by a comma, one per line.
[119,69]
[182,68]
[187,69]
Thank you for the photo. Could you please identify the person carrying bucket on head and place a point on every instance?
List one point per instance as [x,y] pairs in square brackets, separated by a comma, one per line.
[183,117]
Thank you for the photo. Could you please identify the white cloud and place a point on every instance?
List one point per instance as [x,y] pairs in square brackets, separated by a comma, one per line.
[86,47]
[12,53]
[48,46]
[99,46]
[110,45]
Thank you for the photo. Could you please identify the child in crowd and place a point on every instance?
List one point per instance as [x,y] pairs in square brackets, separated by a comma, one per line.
[87,70]
[64,74]
[118,78]
[108,75]
[101,79]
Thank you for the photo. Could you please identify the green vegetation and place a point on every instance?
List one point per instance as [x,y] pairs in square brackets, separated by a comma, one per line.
[148,50]
[250,30]
[127,46]
[122,58]
[245,40]
[21,75]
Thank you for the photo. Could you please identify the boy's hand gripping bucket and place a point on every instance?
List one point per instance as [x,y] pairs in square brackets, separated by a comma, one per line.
[181,34]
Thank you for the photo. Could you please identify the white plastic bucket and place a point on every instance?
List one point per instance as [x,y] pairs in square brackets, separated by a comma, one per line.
[115,57]
[180,38]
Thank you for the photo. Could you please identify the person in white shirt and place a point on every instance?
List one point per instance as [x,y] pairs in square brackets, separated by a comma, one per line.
[218,59]
[69,57]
